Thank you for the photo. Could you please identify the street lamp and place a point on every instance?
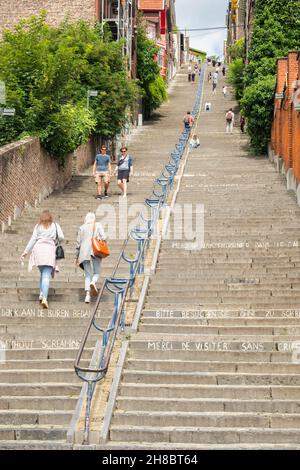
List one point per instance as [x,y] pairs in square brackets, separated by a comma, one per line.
[89,94]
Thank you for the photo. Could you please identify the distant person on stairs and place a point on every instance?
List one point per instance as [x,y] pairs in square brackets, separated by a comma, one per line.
[102,170]
[229,121]
[214,87]
[124,169]
[188,120]
[242,124]
[195,142]
[42,246]
[85,258]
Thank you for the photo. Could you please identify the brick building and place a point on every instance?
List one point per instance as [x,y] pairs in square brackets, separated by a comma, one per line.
[160,18]
[11,11]
[240,15]
[285,138]
[119,14]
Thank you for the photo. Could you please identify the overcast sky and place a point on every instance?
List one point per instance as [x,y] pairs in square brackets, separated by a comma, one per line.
[203,14]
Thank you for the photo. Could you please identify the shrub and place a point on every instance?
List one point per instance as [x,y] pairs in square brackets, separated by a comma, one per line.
[236,76]
[70,127]
[257,105]
[154,90]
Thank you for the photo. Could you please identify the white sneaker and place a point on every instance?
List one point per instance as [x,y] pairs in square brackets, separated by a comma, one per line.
[44,303]
[94,290]
[87,298]
[41,297]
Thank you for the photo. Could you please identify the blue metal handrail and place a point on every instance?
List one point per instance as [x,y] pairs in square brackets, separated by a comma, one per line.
[120,286]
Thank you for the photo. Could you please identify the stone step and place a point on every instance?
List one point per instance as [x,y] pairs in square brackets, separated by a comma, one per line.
[202,366]
[53,403]
[182,328]
[40,418]
[28,433]
[210,378]
[34,445]
[37,389]
[164,390]
[17,376]
[220,313]
[230,295]
[23,331]
[39,364]
[54,352]
[32,341]
[209,351]
[199,435]
[207,284]
[217,304]
[190,405]
[14,296]
[215,343]
[212,419]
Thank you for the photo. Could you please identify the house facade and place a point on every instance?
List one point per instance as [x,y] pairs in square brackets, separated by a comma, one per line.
[239,22]
[120,15]
[160,23]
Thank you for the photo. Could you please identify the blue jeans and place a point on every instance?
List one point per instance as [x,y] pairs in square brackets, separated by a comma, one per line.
[46,272]
[91,271]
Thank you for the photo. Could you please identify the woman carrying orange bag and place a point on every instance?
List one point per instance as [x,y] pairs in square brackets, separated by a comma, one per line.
[85,257]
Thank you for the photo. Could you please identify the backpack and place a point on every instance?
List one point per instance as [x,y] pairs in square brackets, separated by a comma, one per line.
[229,116]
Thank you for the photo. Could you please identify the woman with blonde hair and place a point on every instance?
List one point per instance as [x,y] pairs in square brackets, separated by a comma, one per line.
[85,257]
[42,246]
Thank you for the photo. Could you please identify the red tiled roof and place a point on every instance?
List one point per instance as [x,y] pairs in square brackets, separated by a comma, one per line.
[151,4]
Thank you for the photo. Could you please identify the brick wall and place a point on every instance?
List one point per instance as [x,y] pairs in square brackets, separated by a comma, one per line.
[285,139]
[28,174]
[11,11]
[276,129]
[296,129]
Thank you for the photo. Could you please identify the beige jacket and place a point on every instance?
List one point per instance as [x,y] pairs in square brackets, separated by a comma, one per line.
[84,250]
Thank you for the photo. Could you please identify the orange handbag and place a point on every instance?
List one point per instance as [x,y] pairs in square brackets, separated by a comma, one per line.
[100,247]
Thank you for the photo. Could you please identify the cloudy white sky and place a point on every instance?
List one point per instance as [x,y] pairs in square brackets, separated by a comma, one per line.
[203,14]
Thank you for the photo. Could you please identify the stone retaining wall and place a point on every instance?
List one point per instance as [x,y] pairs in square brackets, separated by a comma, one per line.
[28,174]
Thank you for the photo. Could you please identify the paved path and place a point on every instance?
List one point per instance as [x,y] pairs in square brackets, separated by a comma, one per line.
[38,386]
[212,365]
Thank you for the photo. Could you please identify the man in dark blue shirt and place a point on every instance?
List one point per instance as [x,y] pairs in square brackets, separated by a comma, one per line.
[102,169]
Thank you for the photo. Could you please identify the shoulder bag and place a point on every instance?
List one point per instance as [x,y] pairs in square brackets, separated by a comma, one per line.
[59,253]
[100,247]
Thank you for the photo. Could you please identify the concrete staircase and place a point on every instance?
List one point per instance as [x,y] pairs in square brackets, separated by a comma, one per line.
[212,364]
[38,385]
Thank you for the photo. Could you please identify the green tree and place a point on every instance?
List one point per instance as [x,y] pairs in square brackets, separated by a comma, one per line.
[276,30]
[48,72]
[236,51]
[257,105]
[236,76]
